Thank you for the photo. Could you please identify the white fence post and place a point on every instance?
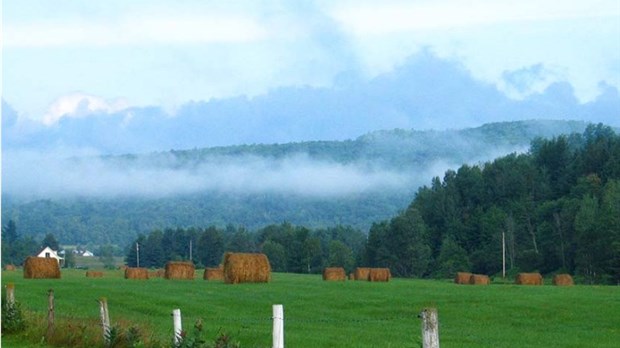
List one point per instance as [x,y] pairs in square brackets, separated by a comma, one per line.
[430,328]
[278,326]
[105,318]
[178,328]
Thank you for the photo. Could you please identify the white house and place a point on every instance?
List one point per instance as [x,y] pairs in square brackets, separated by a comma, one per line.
[47,252]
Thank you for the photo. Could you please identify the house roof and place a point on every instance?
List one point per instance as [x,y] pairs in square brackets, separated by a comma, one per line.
[55,253]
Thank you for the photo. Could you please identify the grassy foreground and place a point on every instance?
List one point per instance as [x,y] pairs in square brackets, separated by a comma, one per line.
[336,314]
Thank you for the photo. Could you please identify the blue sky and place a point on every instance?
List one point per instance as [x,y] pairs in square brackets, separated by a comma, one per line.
[118,54]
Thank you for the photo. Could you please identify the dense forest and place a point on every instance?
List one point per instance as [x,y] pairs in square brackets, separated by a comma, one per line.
[117,217]
[557,208]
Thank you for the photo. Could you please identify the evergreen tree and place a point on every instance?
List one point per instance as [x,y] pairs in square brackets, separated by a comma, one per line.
[452,259]
[50,241]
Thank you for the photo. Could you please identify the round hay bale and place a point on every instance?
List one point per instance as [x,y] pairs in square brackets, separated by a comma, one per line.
[479,279]
[214,273]
[94,274]
[529,279]
[462,278]
[136,273]
[246,268]
[379,275]
[563,280]
[41,268]
[10,268]
[179,270]
[334,273]
[362,273]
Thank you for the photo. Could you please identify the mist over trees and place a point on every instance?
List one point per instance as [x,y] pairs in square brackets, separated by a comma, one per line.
[558,207]
[112,199]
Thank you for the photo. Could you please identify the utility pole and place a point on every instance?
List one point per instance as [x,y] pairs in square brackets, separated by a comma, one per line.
[137,255]
[190,250]
[503,254]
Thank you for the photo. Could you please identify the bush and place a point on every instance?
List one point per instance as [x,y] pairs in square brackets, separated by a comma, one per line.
[12,318]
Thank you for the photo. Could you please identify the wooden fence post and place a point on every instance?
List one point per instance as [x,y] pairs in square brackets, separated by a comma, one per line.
[278,326]
[105,319]
[50,313]
[10,295]
[178,327]
[430,328]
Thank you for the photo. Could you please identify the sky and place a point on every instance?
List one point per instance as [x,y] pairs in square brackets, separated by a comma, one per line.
[113,55]
[90,78]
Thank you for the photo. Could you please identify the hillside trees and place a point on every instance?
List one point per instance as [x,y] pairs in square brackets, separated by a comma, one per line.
[558,207]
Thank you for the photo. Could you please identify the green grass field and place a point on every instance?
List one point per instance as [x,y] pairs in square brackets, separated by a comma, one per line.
[339,314]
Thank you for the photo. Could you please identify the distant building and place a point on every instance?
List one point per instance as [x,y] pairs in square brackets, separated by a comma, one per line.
[47,252]
[84,253]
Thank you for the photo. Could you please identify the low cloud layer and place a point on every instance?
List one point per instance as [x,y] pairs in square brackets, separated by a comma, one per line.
[31,175]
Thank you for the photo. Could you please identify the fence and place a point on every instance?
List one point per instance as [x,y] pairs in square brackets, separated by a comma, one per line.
[429,317]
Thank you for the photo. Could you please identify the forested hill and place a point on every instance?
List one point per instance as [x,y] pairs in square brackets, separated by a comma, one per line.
[356,182]
[558,208]
[396,148]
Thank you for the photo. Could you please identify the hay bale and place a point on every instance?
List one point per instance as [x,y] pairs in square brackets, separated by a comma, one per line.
[10,268]
[94,274]
[362,273]
[179,270]
[529,279]
[214,273]
[462,278]
[479,279]
[379,275]
[41,268]
[334,273]
[136,273]
[563,280]
[246,268]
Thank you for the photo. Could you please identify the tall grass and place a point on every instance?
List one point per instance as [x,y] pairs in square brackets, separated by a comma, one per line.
[341,314]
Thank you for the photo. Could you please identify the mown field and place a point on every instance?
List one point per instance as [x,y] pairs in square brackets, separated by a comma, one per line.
[335,314]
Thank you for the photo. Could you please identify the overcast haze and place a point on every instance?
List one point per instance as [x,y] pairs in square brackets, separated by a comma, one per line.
[113,77]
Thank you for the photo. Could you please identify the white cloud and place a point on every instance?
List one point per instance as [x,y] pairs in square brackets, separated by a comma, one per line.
[397,16]
[80,105]
[132,29]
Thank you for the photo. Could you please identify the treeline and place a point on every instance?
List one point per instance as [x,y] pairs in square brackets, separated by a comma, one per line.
[289,248]
[557,207]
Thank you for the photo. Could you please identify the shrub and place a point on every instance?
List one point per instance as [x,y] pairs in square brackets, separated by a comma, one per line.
[12,317]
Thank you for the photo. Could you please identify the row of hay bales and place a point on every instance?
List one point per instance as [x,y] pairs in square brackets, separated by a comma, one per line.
[520,279]
[371,274]
[470,278]
[237,268]
[361,273]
